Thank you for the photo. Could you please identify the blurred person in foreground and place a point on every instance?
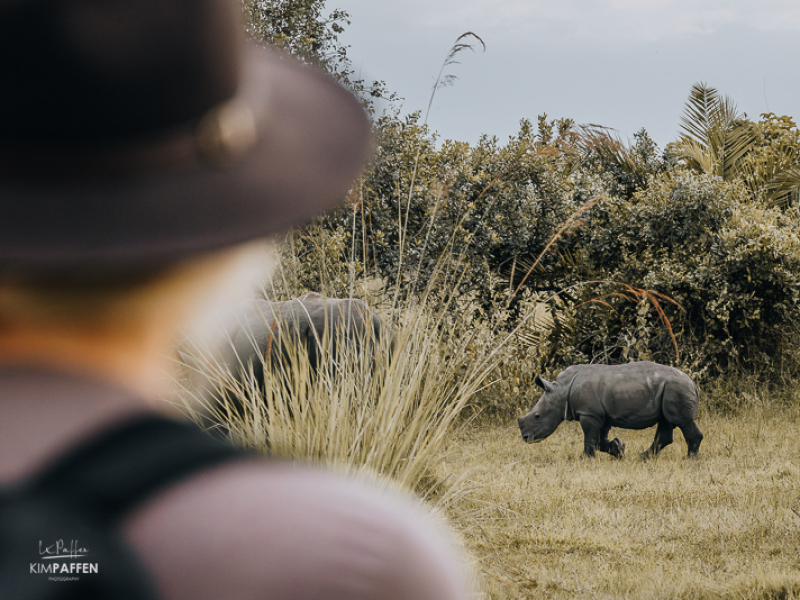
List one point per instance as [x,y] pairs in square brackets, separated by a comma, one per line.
[144,148]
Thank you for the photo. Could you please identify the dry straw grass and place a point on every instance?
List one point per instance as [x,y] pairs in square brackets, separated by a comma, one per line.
[543,521]
[384,416]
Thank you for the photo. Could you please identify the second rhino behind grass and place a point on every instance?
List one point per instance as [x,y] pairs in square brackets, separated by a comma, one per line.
[632,396]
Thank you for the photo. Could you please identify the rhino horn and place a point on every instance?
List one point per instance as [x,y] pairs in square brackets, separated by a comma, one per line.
[543,383]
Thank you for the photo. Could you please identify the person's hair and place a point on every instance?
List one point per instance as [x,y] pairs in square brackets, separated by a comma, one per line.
[204,284]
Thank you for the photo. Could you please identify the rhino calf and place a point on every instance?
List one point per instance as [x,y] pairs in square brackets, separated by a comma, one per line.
[633,396]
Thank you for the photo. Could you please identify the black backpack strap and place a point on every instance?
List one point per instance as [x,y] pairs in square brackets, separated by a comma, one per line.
[124,464]
[82,496]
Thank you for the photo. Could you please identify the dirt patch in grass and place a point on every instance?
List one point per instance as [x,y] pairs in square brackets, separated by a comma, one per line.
[543,521]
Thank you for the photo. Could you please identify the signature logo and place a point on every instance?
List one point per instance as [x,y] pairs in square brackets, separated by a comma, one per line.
[63,558]
[61,550]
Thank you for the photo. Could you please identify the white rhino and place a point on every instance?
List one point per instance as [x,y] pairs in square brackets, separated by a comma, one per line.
[632,396]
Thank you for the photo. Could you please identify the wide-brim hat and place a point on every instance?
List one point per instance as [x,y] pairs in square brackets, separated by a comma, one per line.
[140,132]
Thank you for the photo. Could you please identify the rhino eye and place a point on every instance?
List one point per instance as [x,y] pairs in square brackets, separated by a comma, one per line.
[536,415]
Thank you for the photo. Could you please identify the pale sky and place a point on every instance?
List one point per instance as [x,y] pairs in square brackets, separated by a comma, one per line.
[624,64]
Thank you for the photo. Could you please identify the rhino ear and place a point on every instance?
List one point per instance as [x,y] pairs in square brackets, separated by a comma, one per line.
[543,383]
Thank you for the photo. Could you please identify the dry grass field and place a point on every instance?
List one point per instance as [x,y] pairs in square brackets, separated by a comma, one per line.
[541,521]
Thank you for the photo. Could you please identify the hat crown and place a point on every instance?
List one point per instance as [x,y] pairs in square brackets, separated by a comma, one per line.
[81,72]
[136,133]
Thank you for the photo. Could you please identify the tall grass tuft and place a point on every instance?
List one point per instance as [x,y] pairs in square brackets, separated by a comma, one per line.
[384,413]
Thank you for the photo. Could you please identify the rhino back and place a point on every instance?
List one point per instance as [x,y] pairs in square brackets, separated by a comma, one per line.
[314,318]
[320,314]
[263,328]
[633,396]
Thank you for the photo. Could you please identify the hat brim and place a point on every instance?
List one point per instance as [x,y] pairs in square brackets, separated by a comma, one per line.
[311,138]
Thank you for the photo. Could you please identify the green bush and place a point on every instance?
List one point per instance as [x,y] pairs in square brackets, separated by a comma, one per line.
[475,217]
[733,267]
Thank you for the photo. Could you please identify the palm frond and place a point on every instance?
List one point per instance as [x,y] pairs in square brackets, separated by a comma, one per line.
[774,175]
[716,137]
[697,157]
[703,102]
[735,143]
[600,142]
[783,189]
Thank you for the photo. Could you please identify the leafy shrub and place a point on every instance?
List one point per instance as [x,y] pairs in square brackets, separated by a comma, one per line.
[733,266]
[473,218]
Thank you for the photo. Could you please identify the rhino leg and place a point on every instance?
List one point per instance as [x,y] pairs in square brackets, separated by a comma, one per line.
[592,431]
[615,447]
[693,436]
[662,440]
[595,437]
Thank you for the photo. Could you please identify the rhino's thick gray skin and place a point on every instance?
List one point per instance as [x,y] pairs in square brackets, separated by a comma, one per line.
[633,396]
[261,329]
